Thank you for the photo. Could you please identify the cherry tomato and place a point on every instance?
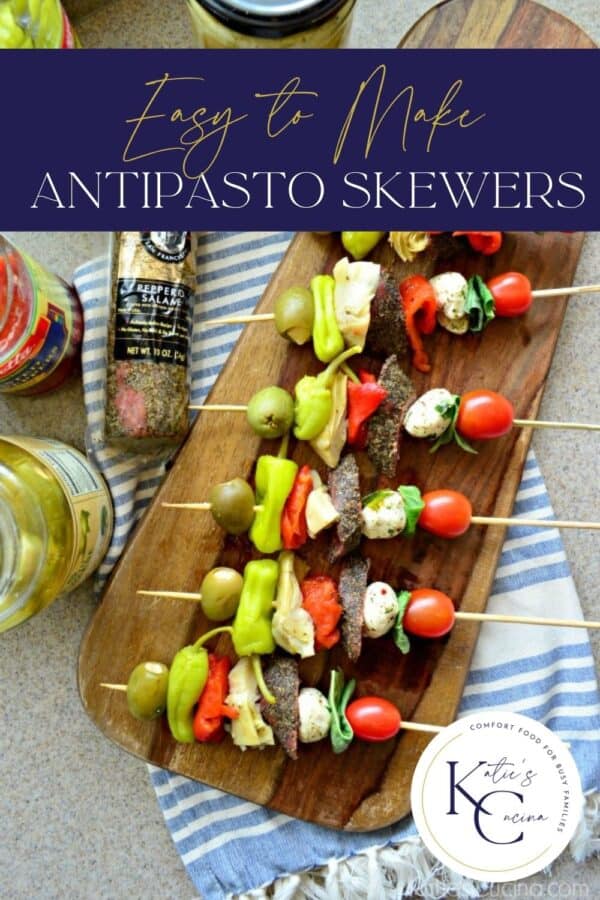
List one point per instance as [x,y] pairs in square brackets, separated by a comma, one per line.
[483,415]
[446,513]
[429,614]
[512,294]
[374,719]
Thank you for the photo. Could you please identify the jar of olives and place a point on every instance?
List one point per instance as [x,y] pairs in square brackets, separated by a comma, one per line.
[55,524]
[269,24]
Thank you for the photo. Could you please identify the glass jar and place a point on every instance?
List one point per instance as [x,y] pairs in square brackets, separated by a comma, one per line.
[40,24]
[260,24]
[55,524]
[41,325]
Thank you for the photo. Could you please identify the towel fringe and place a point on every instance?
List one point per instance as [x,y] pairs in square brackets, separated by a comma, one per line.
[397,870]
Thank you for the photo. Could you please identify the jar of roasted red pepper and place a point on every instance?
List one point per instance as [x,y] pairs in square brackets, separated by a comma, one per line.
[39,24]
[41,325]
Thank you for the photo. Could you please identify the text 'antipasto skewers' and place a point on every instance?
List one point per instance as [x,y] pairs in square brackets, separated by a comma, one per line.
[292,504]
[338,407]
[360,305]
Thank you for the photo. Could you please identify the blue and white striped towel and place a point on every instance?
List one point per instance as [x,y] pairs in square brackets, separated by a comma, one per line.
[230,846]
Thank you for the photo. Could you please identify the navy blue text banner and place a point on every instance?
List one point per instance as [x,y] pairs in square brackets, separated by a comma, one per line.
[316,140]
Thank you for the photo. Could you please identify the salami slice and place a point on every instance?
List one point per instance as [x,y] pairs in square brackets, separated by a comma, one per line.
[352,588]
[283,681]
[385,426]
[344,487]
[387,328]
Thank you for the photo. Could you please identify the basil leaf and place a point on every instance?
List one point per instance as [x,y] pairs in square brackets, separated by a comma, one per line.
[479,304]
[340,732]
[375,499]
[413,506]
[400,638]
[450,411]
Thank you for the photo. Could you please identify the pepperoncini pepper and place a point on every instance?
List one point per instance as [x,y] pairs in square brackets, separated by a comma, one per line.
[328,340]
[274,479]
[360,243]
[313,399]
[252,634]
[252,624]
[187,677]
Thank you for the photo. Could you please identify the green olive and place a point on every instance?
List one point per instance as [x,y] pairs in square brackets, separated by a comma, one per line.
[270,412]
[221,589]
[147,690]
[294,314]
[360,243]
[232,505]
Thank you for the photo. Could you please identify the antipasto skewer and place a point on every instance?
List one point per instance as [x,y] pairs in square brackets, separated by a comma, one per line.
[429,613]
[292,504]
[437,414]
[360,305]
[301,714]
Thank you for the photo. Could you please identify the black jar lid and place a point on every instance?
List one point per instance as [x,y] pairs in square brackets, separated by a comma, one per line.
[271,18]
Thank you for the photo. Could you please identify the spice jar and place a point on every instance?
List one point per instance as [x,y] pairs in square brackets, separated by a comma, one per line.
[41,325]
[41,24]
[260,24]
[55,524]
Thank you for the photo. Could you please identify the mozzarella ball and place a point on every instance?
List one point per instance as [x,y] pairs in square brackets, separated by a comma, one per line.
[388,520]
[380,609]
[423,419]
[450,289]
[315,717]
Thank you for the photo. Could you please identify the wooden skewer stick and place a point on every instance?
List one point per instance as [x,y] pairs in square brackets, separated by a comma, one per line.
[201,506]
[539,423]
[535,523]
[525,620]
[175,595]
[421,726]
[114,687]
[220,407]
[560,292]
[240,320]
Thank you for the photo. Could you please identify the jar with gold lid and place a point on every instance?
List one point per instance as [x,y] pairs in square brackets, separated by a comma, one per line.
[276,24]
[55,524]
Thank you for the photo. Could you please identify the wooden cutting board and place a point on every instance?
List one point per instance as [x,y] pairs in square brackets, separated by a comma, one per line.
[368,787]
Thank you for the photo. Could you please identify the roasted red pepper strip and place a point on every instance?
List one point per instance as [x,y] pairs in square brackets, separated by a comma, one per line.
[208,719]
[420,309]
[320,599]
[293,519]
[363,400]
[486,242]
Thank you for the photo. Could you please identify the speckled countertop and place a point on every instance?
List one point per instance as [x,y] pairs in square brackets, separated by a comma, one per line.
[79,817]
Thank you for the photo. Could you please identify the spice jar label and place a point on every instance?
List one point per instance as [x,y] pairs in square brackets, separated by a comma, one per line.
[152,320]
[88,500]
